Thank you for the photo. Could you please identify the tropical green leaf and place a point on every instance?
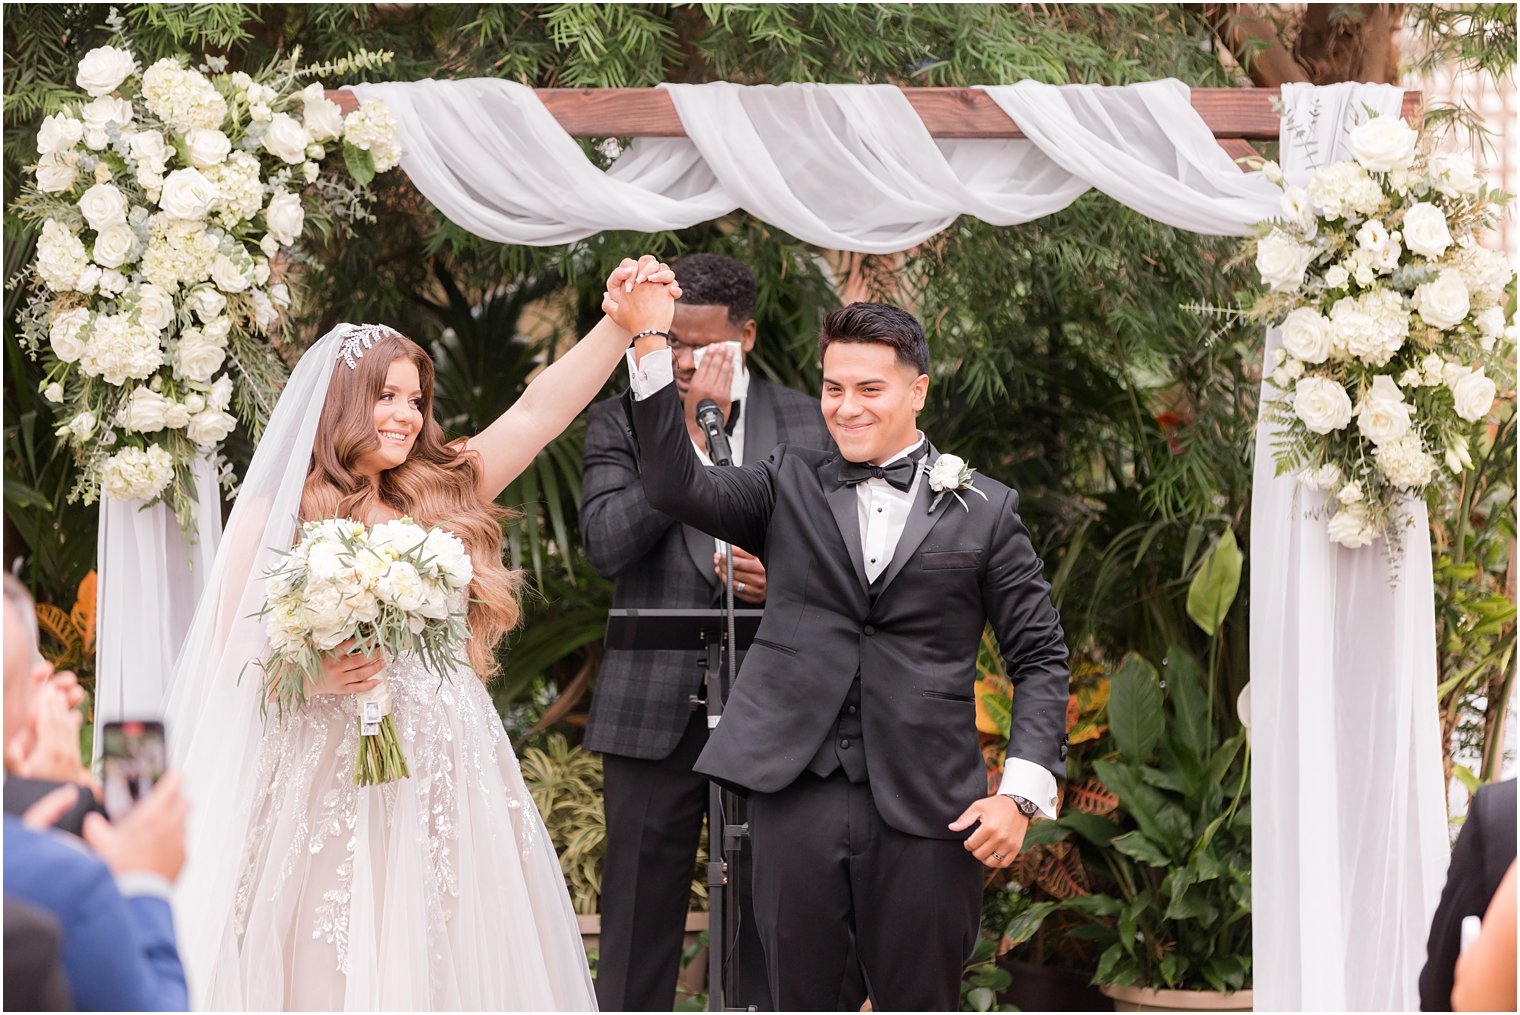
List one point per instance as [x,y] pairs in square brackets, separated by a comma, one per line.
[1134,708]
[1216,583]
[1135,844]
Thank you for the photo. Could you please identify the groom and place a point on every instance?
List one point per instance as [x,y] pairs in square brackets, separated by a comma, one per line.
[852,725]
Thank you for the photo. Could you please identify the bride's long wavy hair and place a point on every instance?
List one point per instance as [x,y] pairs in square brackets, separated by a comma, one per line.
[436,485]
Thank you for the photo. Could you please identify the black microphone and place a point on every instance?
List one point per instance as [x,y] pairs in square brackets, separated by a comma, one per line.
[710,419]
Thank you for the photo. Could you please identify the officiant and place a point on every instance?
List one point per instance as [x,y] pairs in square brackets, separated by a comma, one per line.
[643,720]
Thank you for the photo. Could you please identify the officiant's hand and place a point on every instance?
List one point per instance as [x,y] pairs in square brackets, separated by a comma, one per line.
[749,575]
[347,672]
[1000,836]
[714,379]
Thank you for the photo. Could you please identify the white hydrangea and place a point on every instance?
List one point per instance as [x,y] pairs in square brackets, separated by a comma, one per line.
[62,260]
[1486,272]
[136,473]
[180,251]
[239,188]
[1404,461]
[373,128]
[1371,327]
[1344,189]
[120,350]
[182,98]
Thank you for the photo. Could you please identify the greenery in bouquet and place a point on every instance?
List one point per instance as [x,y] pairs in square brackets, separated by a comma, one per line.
[390,590]
[1394,340]
[171,201]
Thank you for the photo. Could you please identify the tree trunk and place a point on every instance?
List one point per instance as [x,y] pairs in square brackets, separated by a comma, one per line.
[1318,43]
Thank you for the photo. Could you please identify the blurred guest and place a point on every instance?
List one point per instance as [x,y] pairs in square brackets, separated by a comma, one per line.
[1485,979]
[34,979]
[645,715]
[45,752]
[1485,849]
[111,905]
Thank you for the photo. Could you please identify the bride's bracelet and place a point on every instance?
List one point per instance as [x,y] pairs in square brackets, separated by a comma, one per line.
[645,334]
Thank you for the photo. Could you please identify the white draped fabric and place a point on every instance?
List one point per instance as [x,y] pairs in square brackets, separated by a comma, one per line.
[1350,841]
[1349,847]
[150,579]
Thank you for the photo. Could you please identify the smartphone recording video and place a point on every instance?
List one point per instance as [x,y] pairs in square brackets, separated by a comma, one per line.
[133,758]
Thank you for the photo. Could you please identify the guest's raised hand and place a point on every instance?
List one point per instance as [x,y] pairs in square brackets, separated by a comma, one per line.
[150,837]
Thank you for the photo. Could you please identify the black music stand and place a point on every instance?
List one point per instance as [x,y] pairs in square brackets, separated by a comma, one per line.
[705,631]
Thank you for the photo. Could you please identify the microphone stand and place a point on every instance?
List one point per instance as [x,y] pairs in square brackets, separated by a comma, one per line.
[723,840]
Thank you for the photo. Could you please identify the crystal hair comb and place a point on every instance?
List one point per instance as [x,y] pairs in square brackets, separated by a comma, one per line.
[359,338]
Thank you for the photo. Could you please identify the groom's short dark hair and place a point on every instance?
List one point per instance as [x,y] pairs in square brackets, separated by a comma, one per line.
[877,322]
[712,280]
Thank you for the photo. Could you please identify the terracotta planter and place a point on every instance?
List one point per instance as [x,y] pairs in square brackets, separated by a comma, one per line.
[693,979]
[1145,999]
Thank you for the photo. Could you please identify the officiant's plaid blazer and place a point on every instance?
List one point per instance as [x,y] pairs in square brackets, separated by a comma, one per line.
[642,700]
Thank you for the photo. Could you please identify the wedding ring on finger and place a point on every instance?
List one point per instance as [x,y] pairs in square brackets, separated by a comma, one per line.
[998,857]
[739,587]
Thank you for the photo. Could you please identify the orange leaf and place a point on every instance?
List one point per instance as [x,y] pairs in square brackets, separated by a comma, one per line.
[83,613]
[1091,797]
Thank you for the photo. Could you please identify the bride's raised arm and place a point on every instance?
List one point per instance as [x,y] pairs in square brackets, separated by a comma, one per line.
[645,298]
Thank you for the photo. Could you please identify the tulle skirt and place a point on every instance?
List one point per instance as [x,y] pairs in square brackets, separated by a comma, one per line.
[437,892]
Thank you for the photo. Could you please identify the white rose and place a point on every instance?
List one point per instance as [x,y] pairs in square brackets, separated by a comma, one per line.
[1322,404]
[286,139]
[285,217]
[1322,478]
[269,245]
[1336,277]
[58,134]
[64,334]
[1425,230]
[280,294]
[220,395]
[1383,143]
[1411,379]
[322,118]
[1306,335]
[99,115]
[194,403]
[1473,394]
[1281,260]
[187,195]
[102,70]
[1454,175]
[207,302]
[57,173]
[229,278]
[1444,302]
[82,425]
[206,148]
[1383,415]
[1351,493]
[155,307]
[1490,322]
[449,556]
[103,205]
[1351,527]
[197,355]
[114,245]
[149,150]
[136,473]
[146,411]
[53,392]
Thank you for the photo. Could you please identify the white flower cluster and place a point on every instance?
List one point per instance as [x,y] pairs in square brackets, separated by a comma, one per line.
[342,581]
[167,193]
[1390,317]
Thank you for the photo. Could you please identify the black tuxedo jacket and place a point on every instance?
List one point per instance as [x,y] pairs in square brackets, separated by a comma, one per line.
[1484,850]
[915,647]
[642,700]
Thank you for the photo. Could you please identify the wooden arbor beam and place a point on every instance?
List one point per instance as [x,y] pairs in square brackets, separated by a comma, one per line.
[1235,115]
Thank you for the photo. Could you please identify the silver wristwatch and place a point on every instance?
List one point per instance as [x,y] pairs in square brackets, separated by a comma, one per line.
[1026,806]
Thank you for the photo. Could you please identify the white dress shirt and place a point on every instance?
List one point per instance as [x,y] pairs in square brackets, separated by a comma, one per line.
[883,513]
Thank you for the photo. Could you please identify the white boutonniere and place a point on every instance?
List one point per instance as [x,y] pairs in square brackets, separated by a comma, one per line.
[950,474]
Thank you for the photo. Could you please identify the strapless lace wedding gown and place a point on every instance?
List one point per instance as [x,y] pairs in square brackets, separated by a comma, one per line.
[437,892]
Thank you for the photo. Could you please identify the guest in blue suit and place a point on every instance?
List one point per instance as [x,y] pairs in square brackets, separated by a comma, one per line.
[108,893]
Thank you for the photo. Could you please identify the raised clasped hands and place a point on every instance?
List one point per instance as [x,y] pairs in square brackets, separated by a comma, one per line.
[641,295]
[999,836]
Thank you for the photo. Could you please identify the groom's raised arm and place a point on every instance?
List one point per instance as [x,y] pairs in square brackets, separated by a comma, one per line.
[728,502]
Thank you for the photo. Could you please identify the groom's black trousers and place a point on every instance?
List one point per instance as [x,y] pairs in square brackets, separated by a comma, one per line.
[654,815]
[835,885]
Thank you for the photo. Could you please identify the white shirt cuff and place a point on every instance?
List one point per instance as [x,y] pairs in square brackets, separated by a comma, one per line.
[650,374]
[143,883]
[1030,781]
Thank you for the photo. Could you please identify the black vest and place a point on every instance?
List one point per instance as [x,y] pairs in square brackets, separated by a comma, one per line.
[844,747]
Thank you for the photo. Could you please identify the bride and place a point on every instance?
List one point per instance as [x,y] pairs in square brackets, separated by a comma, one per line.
[440,891]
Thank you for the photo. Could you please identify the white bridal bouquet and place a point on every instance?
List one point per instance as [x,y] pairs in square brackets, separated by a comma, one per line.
[1394,340]
[167,200]
[394,588]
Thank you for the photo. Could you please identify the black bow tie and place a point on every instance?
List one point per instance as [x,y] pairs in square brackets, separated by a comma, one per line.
[899,473]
